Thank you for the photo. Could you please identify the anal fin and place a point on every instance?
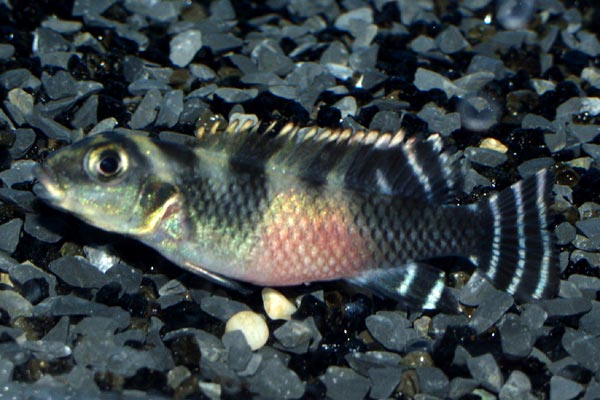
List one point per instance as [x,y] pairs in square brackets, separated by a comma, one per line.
[416,285]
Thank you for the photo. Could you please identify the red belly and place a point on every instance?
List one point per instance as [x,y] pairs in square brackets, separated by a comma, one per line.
[304,239]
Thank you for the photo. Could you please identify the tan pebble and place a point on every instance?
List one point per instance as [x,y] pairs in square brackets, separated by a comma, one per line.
[493,144]
[422,325]
[277,306]
[417,359]
[253,327]
[177,375]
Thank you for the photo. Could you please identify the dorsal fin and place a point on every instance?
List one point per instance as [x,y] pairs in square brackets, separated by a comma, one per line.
[368,161]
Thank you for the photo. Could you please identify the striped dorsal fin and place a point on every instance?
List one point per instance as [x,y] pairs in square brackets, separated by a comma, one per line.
[368,161]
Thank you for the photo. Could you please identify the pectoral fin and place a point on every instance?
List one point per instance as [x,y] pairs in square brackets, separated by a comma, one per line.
[218,279]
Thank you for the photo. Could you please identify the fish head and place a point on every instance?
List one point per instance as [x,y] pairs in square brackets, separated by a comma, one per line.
[101,179]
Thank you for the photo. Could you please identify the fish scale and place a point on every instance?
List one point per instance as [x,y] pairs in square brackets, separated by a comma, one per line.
[277,204]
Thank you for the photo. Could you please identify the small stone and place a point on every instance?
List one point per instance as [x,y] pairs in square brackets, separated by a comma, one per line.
[426,80]
[583,348]
[587,285]
[170,109]
[565,233]
[22,273]
[239,352]
[202,72]
[77,272]
[517,386]
[491,309]
[563,388]
[6,370]
[296,336]
[24,139]
[485,157]
[347,106]
[37,226]
[592,150]
[386,121]
[493,144]
[384,381]
[441,322]
[460,387]
[391,330]
[438,120]
[566,307]
[222,308]
[177,376]
[270,57]
[451,40]
[9,235]
[72,305]
[345,384]
[354,20]
[476,289]
[276,305]
[542,86]
[422,44]
[184,47]
[433,381]
[59,331]
[19,172]
[275,381]
[87,114]
[252,325]
[146,111]
[592,257]
[211,390]
[481,63]
[15,305]
[363,362]
[478,112]
[516,338]
[593,391]
[486,371]
[589,227]
[235,95]
[47,350]
[532,166]
[563,366]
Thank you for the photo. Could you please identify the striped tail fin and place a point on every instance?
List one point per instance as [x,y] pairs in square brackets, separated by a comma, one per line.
[517,252]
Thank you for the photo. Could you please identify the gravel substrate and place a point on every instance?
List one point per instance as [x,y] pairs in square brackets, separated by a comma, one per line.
[513,86]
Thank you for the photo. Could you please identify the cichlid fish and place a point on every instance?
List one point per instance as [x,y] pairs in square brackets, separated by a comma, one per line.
[279,205]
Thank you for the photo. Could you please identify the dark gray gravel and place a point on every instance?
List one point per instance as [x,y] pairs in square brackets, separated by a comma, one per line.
[345,384]
[486,371]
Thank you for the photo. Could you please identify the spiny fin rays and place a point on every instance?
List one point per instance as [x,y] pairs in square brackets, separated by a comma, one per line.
[364,160]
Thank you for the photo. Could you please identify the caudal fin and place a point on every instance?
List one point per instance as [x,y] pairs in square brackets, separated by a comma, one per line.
[517,252]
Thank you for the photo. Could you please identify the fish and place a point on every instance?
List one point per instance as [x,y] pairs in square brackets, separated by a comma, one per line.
[276,204]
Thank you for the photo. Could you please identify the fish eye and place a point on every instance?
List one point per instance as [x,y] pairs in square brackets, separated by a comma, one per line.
[106,162]
[109,164]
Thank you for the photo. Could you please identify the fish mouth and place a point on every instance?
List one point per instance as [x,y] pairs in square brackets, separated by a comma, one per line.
[49,188]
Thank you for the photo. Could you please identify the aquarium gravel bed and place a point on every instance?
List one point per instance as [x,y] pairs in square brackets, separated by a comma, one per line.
[512,87]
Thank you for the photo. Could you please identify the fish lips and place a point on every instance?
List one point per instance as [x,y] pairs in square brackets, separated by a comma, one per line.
[49,188]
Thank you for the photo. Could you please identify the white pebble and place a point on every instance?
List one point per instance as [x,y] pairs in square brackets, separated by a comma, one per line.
[277,306]
[253,327]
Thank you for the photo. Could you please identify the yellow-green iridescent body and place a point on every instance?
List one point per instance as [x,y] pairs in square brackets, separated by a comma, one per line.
[283,206]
